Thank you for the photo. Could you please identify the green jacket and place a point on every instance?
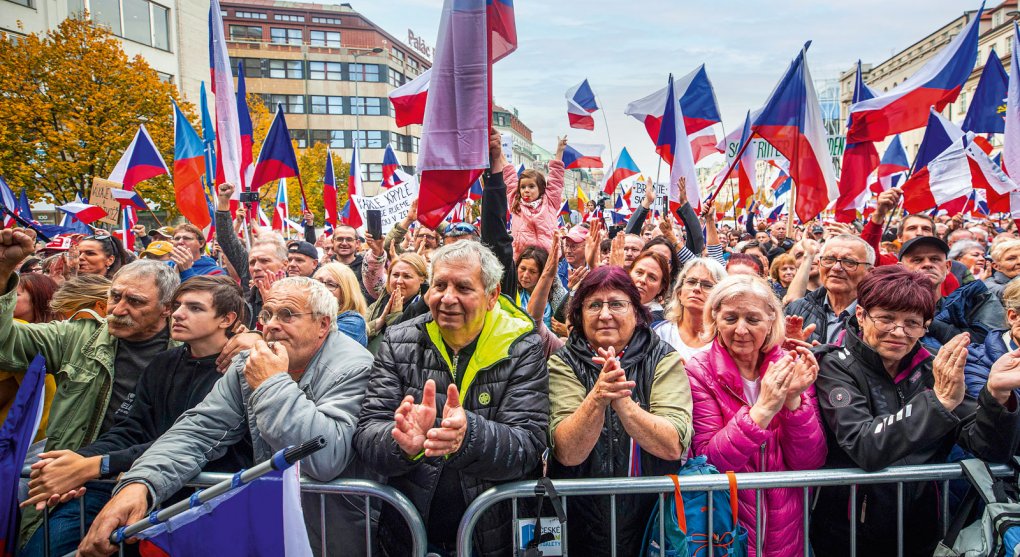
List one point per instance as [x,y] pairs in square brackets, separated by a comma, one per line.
[80,354]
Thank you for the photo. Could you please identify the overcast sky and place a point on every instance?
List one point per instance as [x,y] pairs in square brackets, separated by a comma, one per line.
[627,49]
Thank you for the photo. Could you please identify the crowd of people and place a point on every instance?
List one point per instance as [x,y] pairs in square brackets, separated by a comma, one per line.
[444,362]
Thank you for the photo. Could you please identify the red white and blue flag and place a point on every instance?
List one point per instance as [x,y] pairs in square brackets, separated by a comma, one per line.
[746,175]
[791,121]
[987,110]
[355,186]
[128,198]
[455,143]
[281,212]
[329,200]
[84,212]
[189,165]
[892,170]
[139,162]
[859,160]
[409,100]
[8,200]
[624,168]
[1011,128]
[390,166]
[703,143]
[245,127]
[697,100]
[674,148]
[582,155]
[276,159]
[228,129]
[937,84]
[581,104]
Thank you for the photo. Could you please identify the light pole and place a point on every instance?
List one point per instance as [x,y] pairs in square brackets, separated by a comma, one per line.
[357,96]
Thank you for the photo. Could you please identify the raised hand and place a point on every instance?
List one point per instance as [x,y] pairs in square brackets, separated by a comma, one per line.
[15,245]
[805,371]
[1004,377]
[447,438]
[575,276]
[561,146]
[887,201]
[948,371]
[264,361]
[775,387]
[223,194]
[796,330]
[616,255]
[375,244]
[612,383]
[413,421]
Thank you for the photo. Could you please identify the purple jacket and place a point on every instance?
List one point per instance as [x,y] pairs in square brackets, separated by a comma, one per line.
[725,433]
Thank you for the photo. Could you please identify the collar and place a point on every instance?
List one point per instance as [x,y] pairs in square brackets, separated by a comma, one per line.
[850,309]
[853,342]
[726,369]
[531,204]
[1007,339]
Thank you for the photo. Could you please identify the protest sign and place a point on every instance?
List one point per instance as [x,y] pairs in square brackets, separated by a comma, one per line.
[100,196]
[393,204]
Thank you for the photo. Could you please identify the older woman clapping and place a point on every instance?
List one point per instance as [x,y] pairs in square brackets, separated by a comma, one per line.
[620,406]
[754,410]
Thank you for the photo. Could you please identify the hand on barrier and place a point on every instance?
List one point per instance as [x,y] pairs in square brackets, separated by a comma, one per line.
[447,438]
[264,361]
[413,421]
[1004,376]
[126,507]
[58,477]
[948,371]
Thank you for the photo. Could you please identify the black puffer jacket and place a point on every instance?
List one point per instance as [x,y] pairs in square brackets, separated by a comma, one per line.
[874,421]
[588,527]
[812,308]
[505,393]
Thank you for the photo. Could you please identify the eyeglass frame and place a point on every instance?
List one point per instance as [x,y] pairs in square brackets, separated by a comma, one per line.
[895,325]
[278,314]
[698,283]
[846,263]
[589,308]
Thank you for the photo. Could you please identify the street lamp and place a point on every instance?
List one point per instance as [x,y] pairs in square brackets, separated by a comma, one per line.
[357,96]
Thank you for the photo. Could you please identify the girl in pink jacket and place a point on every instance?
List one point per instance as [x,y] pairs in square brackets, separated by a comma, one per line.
[535,203]
[754,407]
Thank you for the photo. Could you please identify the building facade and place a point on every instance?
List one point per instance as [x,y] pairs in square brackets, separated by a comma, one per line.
[332,70]
[508,121]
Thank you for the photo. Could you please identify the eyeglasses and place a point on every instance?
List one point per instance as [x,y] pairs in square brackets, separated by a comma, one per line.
[285,316]
[912,329]
[330,284]
[184,239]
[693,282]
[616,307]
[848,264]
[342,240]
[460,229]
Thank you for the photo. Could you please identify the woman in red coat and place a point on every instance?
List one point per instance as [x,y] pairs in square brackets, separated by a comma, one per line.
[754,407]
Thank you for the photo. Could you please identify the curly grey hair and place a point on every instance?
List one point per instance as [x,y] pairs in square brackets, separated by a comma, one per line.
[492,269]
[166,278]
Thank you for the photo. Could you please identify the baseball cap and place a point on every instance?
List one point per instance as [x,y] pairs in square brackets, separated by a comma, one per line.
[303,248]
[923,241]
[457,229]
[577,234]
[165,231]
[159,248]
[60,243]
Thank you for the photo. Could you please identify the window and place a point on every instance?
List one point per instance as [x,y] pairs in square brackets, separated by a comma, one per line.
[325,38]
[396,78]
[413,64]
[26,3]
[245,33]
[165,77]
[961,102]
[289,17]
[292,104]
[299,136]
[336,139]
[252,66]
[364,72]
[372,172]
[397,54]
[414,144]
[136,21]
[286,69]
[160,27]
[372,139]
[250,15]
[281,35]
[324,70]
[326,20]
[327,105]
[403,143]
[367,106]
[106,13]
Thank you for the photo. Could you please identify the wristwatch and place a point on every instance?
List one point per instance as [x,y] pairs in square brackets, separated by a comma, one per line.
[104,465]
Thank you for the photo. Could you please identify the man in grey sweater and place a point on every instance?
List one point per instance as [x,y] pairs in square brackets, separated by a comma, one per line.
[304,380]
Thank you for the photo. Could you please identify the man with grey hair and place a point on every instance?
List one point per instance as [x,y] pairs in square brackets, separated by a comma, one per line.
[304,380]
[458,403]
[97,362]
[844,261]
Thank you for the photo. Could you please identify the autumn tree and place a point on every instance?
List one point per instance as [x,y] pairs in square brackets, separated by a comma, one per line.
[72,101]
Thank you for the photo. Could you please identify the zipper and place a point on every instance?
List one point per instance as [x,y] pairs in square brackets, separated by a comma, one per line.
[764,504]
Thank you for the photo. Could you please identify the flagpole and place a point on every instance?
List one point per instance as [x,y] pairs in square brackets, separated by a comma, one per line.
[609,136]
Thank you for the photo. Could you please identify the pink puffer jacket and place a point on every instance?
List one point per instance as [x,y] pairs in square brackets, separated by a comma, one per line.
[535,227]
[725,433]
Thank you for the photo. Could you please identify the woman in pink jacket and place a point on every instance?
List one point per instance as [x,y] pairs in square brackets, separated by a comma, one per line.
[535,203]
[754,406]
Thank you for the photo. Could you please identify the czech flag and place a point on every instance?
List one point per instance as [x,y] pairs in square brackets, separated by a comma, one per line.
[892,170]
[276,159]
[189,165]
[139,162]
[350,214]
[859,160]
[24,207]
[409,99]
[9,201]
[776,213]
[625,168]
[580,155]
[674,148]
[84,212]
[744,169]
[228,128]
[937,84]
[390,165]
[580,106]
[455,143]
[281,212]
[987,110]
[476,190]
[791,121]
[329,191]
[697,101]
[245,127]
[1011,128]
[703,143]
[128,198]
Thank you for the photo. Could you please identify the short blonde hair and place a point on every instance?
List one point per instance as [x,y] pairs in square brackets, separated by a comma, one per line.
[416,262]
[1011,295]
[349,296]
[999,249]
[736,285]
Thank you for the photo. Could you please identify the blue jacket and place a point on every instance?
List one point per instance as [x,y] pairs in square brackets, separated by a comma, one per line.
[204,265]
[980,357]
[972,309]
[352,324]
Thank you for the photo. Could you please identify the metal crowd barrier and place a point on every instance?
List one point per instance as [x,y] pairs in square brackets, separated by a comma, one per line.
[805,479]
[355,488]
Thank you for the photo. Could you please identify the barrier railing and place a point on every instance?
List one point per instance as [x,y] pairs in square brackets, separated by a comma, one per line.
[349,487]
[759,481]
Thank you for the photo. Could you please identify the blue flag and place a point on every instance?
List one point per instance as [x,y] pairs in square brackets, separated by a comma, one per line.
[987,111]
[16,435]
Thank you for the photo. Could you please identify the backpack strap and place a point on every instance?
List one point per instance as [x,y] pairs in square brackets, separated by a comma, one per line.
[733,498]
[681,520]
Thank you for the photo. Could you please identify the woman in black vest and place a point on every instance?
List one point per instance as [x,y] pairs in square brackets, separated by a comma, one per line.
[620,406]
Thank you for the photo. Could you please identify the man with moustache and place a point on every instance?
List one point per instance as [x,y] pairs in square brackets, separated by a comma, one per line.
[97,362]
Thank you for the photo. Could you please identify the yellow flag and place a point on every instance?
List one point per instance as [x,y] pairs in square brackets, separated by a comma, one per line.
[582,200]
